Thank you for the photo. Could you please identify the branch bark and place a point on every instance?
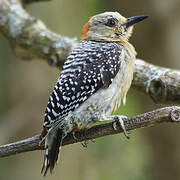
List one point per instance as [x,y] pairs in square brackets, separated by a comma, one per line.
[27,2]
[161,84]
[167,114]
[30,38]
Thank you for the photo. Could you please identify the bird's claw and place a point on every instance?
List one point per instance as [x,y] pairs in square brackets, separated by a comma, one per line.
[74,136]
[93,140]
[121,122]
[85,144]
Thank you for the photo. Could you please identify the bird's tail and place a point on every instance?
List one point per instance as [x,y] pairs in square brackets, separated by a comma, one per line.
[53,142]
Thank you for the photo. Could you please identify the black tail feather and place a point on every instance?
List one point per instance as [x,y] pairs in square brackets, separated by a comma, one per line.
[53,155]
[53,146]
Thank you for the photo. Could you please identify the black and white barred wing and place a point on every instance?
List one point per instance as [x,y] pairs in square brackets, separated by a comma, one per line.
[90,66]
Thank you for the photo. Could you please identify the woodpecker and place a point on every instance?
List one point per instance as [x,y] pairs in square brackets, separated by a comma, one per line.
[95,78]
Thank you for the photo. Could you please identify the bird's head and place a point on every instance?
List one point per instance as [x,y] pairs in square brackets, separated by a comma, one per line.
[110,26]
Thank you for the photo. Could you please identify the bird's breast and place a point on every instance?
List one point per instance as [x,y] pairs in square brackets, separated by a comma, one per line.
[122,82]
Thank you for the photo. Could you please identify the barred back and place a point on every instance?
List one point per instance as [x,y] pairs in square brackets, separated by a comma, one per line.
[90,66]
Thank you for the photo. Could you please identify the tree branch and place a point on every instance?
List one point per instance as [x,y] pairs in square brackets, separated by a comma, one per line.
[167,114]
[162,84]
[27,2]
[30,39]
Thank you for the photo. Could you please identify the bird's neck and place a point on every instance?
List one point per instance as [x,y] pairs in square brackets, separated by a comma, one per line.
[128,46]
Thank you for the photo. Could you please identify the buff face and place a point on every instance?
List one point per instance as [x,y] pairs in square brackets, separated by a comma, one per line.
[110,26]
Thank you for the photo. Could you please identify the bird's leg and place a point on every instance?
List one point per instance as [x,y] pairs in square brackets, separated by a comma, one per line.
[121,122]
[118,119]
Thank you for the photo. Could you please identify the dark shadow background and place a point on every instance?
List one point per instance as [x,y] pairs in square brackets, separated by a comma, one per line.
[150,154]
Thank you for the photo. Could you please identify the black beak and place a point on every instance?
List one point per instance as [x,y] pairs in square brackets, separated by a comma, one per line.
[132,20]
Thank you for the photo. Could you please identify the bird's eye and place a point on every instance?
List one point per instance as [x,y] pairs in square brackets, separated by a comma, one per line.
[111,22]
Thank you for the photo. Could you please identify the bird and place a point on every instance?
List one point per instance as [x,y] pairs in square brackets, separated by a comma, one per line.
[94,80]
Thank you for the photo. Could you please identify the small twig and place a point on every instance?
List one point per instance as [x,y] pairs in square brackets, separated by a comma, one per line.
[168,114]
[30,38]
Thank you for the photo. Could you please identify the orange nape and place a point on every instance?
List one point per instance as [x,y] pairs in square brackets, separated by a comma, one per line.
[85,30]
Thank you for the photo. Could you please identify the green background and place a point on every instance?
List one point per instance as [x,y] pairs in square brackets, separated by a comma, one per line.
[150,154]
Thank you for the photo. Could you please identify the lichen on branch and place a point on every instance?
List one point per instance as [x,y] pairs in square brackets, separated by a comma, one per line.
[31,39]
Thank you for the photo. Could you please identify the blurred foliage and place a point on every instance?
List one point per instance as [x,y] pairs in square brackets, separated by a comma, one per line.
[25,87]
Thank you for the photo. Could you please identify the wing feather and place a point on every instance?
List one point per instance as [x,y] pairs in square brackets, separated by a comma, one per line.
[90,66]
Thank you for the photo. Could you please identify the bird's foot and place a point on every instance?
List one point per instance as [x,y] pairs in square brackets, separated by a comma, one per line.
[93,140]
[74,136]
[85,144]
[119,120]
